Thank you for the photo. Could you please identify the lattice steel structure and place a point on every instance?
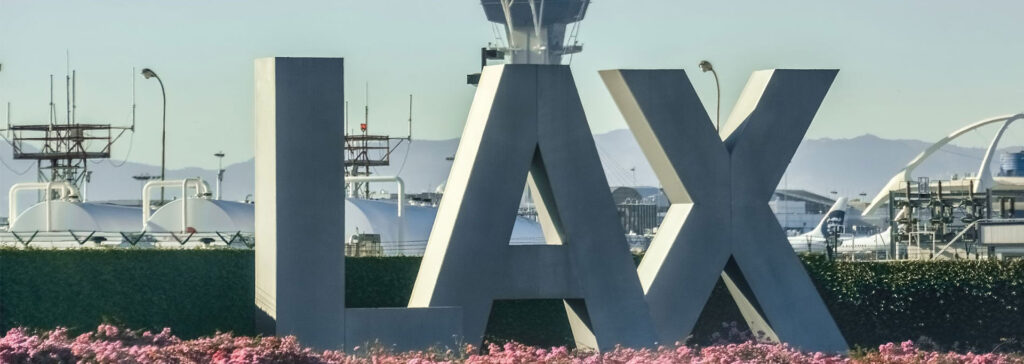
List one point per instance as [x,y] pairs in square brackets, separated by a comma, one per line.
[364,151]
[62,151]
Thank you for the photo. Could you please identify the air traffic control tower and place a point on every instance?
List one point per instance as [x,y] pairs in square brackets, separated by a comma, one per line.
[535,30]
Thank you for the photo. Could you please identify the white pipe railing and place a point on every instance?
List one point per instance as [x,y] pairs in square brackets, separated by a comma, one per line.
[401,196]
[66,190]
[201,187]
[398,181]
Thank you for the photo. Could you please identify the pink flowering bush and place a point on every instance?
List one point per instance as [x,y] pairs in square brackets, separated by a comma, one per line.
[109,344]
[907,352]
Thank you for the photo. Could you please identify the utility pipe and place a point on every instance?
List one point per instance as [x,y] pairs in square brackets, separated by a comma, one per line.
[401,196]
[65,188]
[201,187]
[398,181]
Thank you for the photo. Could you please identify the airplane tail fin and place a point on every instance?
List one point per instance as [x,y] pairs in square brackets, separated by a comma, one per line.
[836,216]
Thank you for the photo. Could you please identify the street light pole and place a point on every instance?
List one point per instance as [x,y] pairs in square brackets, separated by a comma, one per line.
[220,171]
[704,67]
[148,73]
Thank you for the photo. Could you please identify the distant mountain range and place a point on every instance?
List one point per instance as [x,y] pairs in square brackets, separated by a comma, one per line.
[849,166]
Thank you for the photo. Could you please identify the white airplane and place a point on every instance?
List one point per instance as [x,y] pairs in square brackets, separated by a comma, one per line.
[814,241]
[878,243]
[866,244]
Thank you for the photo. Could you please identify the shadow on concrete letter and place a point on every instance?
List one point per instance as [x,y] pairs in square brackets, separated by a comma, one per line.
[300,219]
[719,184]
[526,122]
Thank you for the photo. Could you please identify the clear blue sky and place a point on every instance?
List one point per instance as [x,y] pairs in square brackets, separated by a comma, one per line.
[909,69]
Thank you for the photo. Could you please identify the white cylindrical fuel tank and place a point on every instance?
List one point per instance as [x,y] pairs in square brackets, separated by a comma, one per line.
[361,217]
[205,216]
[380,217]
[79,216]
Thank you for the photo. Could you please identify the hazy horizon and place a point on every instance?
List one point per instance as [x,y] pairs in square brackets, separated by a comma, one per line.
[908,70]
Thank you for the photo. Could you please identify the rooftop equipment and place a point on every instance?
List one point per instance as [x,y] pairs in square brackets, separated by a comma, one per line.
[1011,164]
[535,30]
[62,150]
[364,150]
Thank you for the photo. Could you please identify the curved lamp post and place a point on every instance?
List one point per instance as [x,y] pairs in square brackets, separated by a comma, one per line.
[704,67]
[148,73]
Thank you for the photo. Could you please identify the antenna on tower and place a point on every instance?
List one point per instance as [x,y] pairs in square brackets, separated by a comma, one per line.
[67,88]
[53,108]
[62,151]
[366,110]
[74,93]
[133,99]
[364,151]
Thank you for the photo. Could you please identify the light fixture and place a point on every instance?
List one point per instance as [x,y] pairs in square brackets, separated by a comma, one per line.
[704,66]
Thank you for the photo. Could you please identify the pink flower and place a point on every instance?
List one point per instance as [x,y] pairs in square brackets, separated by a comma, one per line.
[110,344]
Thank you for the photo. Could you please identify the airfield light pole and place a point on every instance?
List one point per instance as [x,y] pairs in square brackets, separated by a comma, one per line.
[148,73]
[220,171]
[704,67]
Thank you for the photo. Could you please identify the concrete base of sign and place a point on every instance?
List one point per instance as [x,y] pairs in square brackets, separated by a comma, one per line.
[403,329]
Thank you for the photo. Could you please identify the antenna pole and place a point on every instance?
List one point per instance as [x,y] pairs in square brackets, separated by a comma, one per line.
[53,108]
[67,97]
[366,129]
[410,117]
[133,99]
[366,108]
[346,118]
[74,94]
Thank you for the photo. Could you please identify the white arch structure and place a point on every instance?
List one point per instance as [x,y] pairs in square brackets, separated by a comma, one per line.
[983,180]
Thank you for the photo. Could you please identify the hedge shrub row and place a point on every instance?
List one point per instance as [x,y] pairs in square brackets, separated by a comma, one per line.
[198,292]
[954,303]
[193,292]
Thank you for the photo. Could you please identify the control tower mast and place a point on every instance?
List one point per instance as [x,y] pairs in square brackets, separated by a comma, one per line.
[536,29]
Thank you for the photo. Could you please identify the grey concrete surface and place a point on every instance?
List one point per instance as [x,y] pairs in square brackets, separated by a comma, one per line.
[528,118]
[300,252]
[403,329]
[300,261]
[719,184]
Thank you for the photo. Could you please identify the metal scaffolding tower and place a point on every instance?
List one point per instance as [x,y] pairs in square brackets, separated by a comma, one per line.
[364,151]
[62,150]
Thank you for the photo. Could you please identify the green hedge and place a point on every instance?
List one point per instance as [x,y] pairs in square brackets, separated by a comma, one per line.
[387,282]
[193,292]
[199,292]
[954,303]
